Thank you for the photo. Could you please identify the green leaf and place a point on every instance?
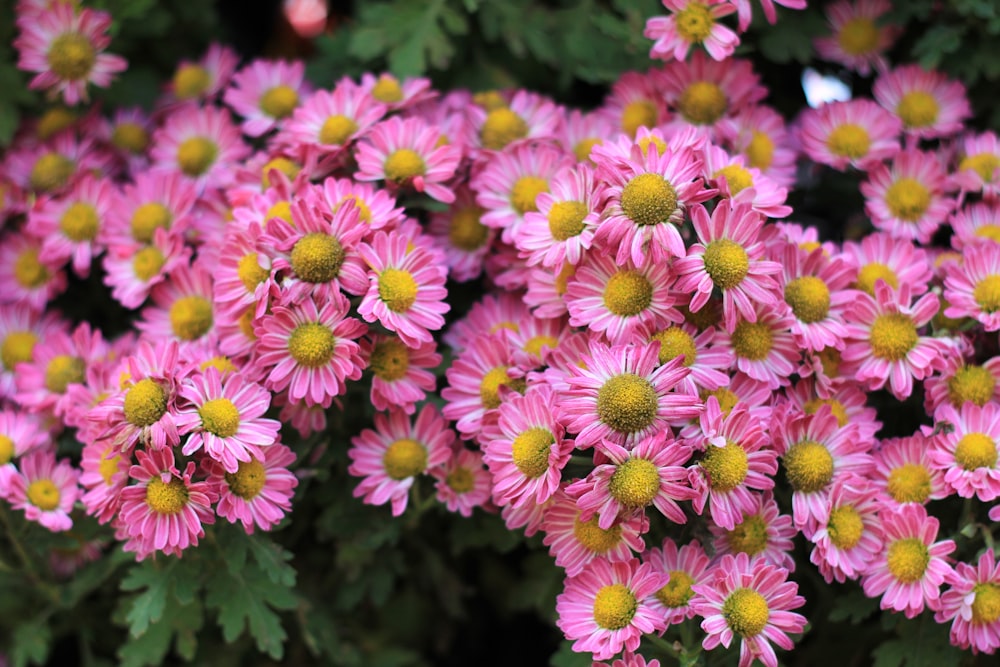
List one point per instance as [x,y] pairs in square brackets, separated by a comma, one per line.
[148,606]
[31,643]
[566,657]
[853,606]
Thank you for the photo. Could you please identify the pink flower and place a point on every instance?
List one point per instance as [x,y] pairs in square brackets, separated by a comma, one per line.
[478,380]
[929,104]
[705,92]
[687,567]
[762,534]
[978,165]
[332,120]
[265,93]
[44,489]
[203,144]
[857,42]
[562,229]
[746,10]
[857,133]
[851,537]
[526,117]
[815,288]
[400,374]
[259,492]
[972,286]
[71,226]
[764,347]
[972,604]
[906,199]
[691,22]
[462,481]
[967,452]
[202,80]
[903,471]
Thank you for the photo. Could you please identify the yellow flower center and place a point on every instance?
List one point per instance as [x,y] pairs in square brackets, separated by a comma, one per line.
[737,178]
[250,272]
[460,480]
[465,231]
[336,130]
[387,90]
[987,293]
[872,272]
[145,403]
[130,137]
[50,172]
[649,199]
[246,324]
[530,451]
[628,293]
[566,219]
[191,81]
[147,263]
[908,559]
[986,605]
[54,120]
[727,399]
[196,155]
[595,539]
[614,607]
[71,56]
[908,199]
[248,480]
[694,22]
[760,151]
[845,527]
[752,340]
[808,466]
[390,360]
[397,289]
[909,483]
[749,537]
[976,450]
[403,164]
[489,99]
[918,109]
[18,346]
[837,408]
[641,113]
[973,384]
[221,363]
[6,449]
[311,344]
[988,231]
[502,126]
[562,278]
[677,592]
[28,271]
[726,263]
[43,494]
[191,317]
[635,483]
[282,164]
[404,458]
[627,403]
[893,336]
[364,212]
[62,370]
[526,189]
[489,387]
[220,417]
[279,102]
[702,103]
[727,466]
[536,344]
[108,466]
[830,360]
[746,612]
[317,257]
[169,498]
[675,342]
[79,222]
[582,149]
[849,140]
[809,298]
[984,164]
[858,36]
[645,142]
[147,219]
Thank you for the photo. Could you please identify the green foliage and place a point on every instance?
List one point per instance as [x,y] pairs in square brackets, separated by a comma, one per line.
[919,641]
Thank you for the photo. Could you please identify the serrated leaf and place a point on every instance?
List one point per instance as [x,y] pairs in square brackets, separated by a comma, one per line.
[272,559]
[852,606]
[31,643]
[148,606]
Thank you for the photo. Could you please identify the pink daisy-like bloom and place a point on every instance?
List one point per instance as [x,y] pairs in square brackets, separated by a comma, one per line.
[164,511]
[71,225]
[53,165]
[406,293]
[241,273]
[815,288]
[745,8]
[974,223]
[635,101]
[205,78]
[225,418]
[647,197]
[630,659]
[404,153]
[310,350]
[492,313]
[704,91]
[687,567]
[332,120]
[182,307]
[462,482]
[154,200]
[203,144]
[103,475]
[575,541]
[750,599]
[607,607]
[132,271]
[967,453]
[885,345]
[763,534]
[972,286]
[735,458]
[400,374]
[44,489]
[25,277]
[765,348]
[389,458]
[259,493]
[739,182]
[562,229]
[961,381]
[759,134]
[527,117]
[65,45]
[582,131]
[728,256]
[691,22]
[460,234]
[972,604]
[851,537]
[20,433]
[701,354]
[929,104]
[624,301]
[857,42]
[906,199]
[848,403]
[651,473]
[895,261]
[621,395]
[905,473]
[475,382]
[526,449]
[396,94]
[264,93]
[22,329]
[857,133]
[911,567]
[57,364]
[377,208]
[978,167]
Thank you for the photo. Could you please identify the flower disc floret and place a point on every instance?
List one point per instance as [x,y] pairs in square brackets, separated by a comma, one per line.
[525,191]
[190,81]
[62,370]
[390,359]
[987,293]
[872,272]
[971,384]
[566,219]
[908,559]
[908,199]
[398,289]
[250,272]
[147,263]
[404,458]
[726,263]
[628,293]
[530,451]
[248,480]
[627,403]
[220,417]
[18,346]
[845,527]
[635,483]
[279,101]
[695,22]
[317,257]
[917,109]
[79,222]
[191,317]
[746,612]
[909,483]
[489,386]
[641,113]
[336,130]
[858,36]
[752,340]
[50,172]
[849,140]
[43,494]
[196,154]
[809,298]
[986,605]
[145,403]
[614,607]
[147,218]
[976,450]
[677,592]
[71,56]
[893,335]
[465,231]
[702,103]
[29,271]
[403,165]
[649,199]
[749,537]
[737,178]
[808,466]
[727,466]
[594,538]
[166,498]
[312,344]
[501,127]
[675,342]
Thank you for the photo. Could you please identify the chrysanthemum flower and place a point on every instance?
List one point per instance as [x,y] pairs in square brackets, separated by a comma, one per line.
[460,234]
[203,144]
[475,380]
[182,307]
[972,287]
[851,537]
[691,22]
[562,229]
[45,489]
[462,482]
[404,153]
[621,396]
[763,534]
[400,375]
[815,288]
[847,403]
[635,101]
[22,328]
[765,348]
[65,45]
[975,222]
[906,199]
[961,381]
[203,79]
[858,133]
[905,473]
[103,475]
[758,133]
[132,271]
[929,104]
[71,226]
[264,93]
[740,182]
[746,10]
[257,494]
[857,42]
[704,91]
[24,276]
[968,452]
[972,604]
[686,566]
[310,350]
[56,365]
[396,94]
[911,568]
[332,120]
[728,256]
[20,433]
[528,116]
[750,599]
[607,607]
[894,261]
[700,353]
[164,510]
[979,165]
[582,131]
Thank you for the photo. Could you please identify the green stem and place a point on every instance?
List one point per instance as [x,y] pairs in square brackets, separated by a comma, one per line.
[665,646]
[27,563]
